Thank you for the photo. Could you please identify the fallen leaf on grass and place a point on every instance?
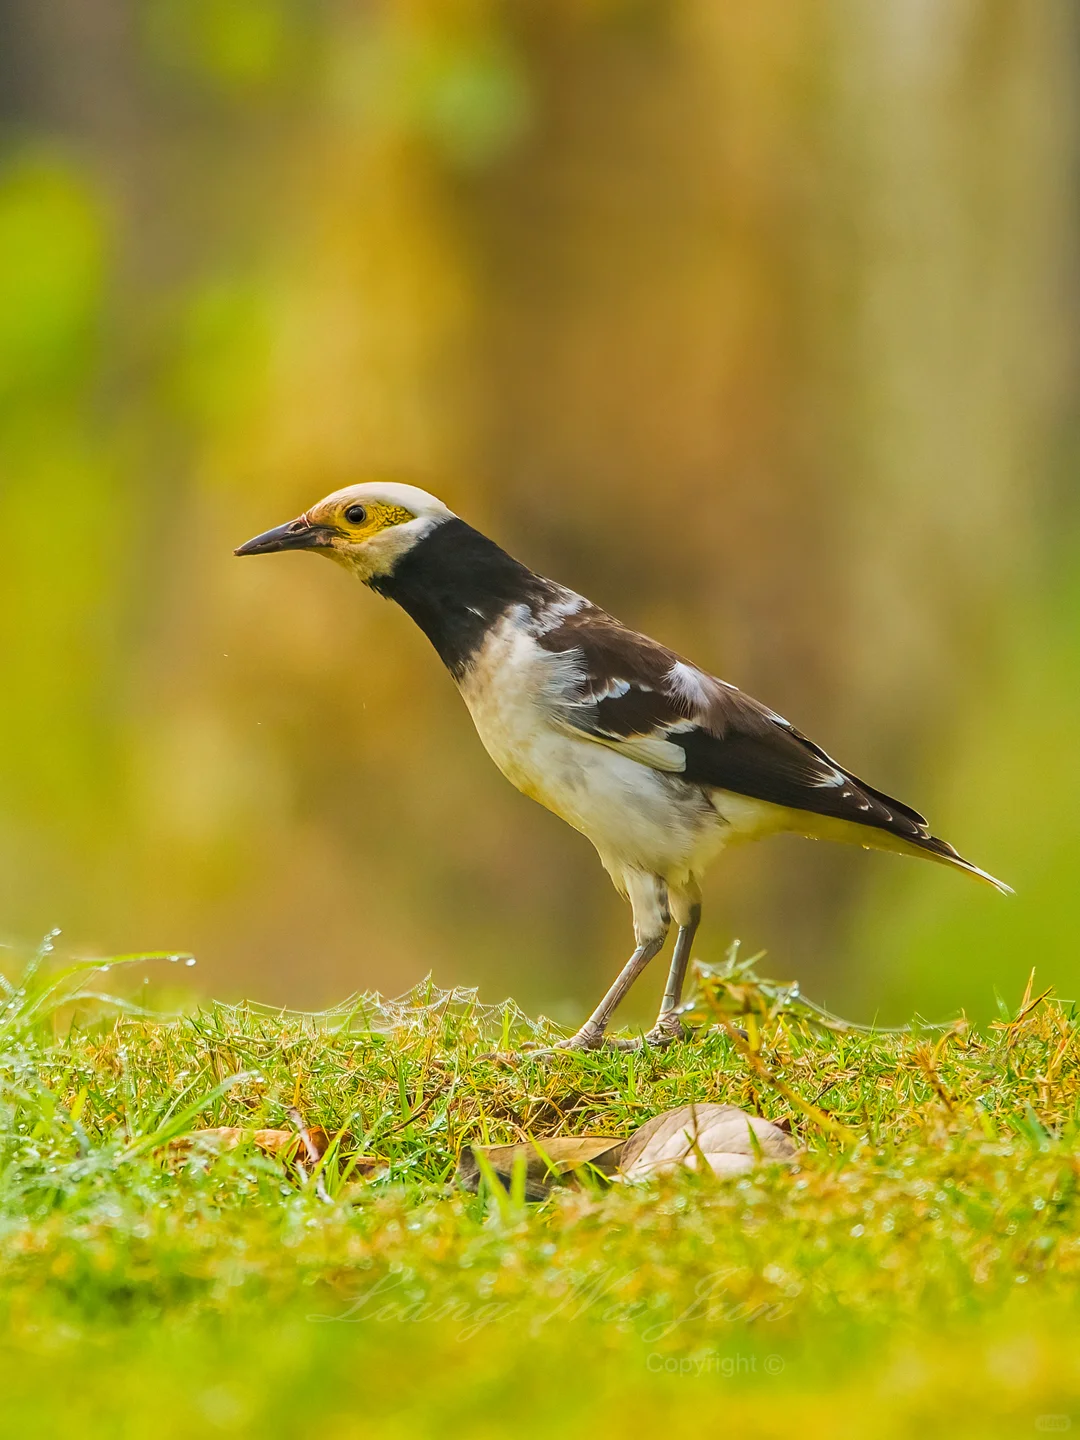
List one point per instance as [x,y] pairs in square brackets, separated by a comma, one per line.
[281,1144]
[305,1145]
[545,1161]
[727,1139]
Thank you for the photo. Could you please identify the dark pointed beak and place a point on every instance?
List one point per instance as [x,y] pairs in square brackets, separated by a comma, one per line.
[297,535]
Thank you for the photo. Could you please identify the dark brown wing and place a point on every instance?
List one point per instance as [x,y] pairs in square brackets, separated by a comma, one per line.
[636,695]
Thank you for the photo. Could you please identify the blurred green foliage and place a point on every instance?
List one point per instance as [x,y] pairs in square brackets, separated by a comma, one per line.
[242,47]
[755,323]
[52,272]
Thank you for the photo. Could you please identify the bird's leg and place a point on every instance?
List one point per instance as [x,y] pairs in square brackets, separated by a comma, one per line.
[668,1026]
[648,896]
[591,1034]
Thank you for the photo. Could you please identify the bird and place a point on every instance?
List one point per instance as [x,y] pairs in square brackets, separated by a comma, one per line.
[660,764]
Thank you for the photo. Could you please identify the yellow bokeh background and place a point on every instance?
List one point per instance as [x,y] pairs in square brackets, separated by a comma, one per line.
[756,323]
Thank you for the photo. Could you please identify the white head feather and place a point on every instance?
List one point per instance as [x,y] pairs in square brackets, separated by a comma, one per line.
[369,556]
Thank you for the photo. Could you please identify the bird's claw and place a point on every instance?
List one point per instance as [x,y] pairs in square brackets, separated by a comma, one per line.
[664,1033]
[667,1030]
[587,1038]
[658,1038]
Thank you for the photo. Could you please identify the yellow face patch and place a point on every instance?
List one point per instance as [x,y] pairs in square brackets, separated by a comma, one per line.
[378,516]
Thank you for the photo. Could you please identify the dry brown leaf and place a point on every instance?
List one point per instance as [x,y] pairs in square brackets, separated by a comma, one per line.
[545,1160]
[295,1148]
[282,1144]
[728,1140]
[725,1138]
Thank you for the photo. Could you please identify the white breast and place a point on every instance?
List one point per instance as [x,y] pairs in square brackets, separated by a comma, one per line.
[637,817]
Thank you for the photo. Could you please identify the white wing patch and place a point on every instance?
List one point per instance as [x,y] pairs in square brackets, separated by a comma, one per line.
[651,750]
[690,685]
[833,778]
[779,720]
[615,691]
[552,616]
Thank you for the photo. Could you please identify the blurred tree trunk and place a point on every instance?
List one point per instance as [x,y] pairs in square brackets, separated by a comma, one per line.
[773,313]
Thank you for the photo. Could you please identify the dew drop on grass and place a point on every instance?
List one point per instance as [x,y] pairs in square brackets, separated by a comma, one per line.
[190,961]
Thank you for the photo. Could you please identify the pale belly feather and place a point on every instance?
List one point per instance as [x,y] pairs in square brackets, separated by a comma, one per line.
[638,819]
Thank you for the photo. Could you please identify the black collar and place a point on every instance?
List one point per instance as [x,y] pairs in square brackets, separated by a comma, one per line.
[456,583]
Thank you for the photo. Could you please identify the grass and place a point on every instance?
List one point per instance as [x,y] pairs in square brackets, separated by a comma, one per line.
[916,1272]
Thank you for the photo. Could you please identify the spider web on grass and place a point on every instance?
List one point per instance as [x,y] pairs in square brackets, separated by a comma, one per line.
[420,1009]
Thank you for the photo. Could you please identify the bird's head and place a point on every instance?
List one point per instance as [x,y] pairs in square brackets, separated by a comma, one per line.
[367,528]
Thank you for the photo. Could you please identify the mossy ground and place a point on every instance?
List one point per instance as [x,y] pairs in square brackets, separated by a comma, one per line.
[916,1272]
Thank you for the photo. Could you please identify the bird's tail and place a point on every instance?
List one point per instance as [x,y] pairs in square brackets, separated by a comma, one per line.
[944,854]
[897,827]
[900,831]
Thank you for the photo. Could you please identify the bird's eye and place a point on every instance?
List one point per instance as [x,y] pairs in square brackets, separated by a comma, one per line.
[356,514]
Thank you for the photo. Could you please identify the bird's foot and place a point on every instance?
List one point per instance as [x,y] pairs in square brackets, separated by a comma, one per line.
[663,1034]
[666,1031]
[589,1037]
